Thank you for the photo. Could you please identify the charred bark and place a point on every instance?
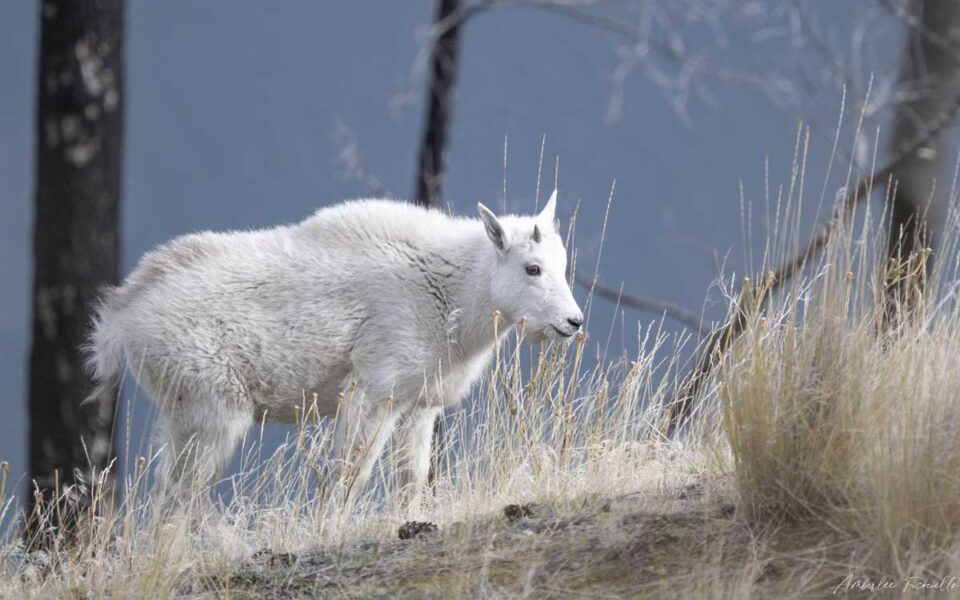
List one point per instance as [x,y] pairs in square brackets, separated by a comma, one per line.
[440,95]
[76,241]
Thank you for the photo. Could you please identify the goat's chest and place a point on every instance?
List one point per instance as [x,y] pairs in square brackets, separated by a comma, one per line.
[461,376]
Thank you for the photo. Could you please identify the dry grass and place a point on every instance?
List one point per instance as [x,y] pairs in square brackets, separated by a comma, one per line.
[849,415]
[541,428]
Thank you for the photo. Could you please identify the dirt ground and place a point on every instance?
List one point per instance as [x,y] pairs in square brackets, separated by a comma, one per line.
[689,542]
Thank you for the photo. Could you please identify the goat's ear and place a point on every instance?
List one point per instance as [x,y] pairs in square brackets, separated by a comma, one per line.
[495,230]
[549,212]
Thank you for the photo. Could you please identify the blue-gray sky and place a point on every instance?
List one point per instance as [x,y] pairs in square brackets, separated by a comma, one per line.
[237,112]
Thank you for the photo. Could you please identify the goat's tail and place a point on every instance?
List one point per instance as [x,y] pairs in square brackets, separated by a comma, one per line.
[104,352]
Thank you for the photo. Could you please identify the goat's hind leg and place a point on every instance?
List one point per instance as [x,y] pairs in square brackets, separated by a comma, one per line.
[197,446]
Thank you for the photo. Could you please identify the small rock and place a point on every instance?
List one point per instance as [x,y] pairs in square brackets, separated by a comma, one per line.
[515,512]
[34,565]
[691,490]
[275,559]
[726,509]
[414,529]
[367,546]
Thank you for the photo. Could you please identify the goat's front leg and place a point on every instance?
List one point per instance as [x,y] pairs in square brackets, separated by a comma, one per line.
[363,427]
[414,454]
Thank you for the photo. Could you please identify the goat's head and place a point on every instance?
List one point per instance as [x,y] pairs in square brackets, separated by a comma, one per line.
[529,278]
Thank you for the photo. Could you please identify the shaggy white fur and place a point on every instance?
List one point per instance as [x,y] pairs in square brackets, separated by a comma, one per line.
[387,303]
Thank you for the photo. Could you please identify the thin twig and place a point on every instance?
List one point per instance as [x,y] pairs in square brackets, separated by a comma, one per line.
[648,305]
[572,11]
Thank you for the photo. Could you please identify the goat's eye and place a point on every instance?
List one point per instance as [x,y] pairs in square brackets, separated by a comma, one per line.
[533,270]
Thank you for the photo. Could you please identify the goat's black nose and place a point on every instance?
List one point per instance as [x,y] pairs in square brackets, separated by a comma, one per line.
[575,322]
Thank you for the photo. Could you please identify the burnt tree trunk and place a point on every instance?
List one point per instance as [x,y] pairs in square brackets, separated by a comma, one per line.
[930,81]
[79,143]
[440,92]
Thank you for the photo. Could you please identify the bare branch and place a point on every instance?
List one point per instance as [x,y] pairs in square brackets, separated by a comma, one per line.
[648,305]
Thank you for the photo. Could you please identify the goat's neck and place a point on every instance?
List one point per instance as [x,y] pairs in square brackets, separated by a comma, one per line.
[473,332]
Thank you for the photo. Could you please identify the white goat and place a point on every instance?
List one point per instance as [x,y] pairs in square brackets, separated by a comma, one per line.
[392,301]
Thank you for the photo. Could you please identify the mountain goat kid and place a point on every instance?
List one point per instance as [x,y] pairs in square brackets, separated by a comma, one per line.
[387,303]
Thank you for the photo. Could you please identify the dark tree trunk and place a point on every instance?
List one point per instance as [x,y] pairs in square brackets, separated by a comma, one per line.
[930,77]
[79,143]
[440,90]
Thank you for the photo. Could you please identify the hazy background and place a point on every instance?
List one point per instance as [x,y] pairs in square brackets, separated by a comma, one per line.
[240,114]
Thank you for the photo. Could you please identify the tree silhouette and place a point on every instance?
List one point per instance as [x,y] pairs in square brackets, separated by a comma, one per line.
[79,143]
